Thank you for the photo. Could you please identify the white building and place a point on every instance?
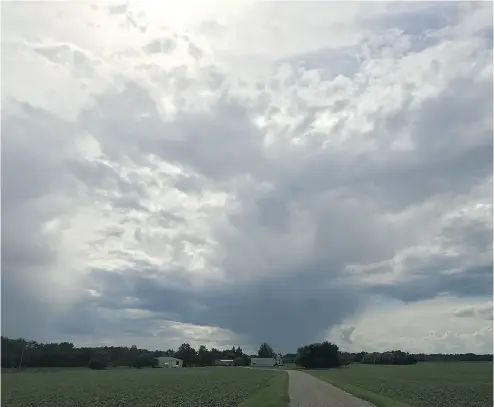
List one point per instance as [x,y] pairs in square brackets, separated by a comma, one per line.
[276,361]
[169,362]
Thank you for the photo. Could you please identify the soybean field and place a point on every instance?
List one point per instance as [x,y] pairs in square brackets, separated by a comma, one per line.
[201,387]
[461,384]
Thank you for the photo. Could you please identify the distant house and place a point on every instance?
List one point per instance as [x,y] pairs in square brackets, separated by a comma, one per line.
[224,362]
[276,361]
[169,362]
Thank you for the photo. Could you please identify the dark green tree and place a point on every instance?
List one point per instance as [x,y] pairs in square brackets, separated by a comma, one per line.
[395,357]
[97,363]
[246,359]
[204,356]
[188,355]
[215,354]
[266,351]
[318,355]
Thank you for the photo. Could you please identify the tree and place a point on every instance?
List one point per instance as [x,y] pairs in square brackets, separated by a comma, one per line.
[266,351]
[204,356]
[187,354]
[318,355]
[215,354]
[97,364]
[289,357]
[246,359]
[25,346]
[64,354]
[395,357]
[145,360]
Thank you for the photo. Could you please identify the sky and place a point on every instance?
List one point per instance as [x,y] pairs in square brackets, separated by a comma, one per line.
[228,173]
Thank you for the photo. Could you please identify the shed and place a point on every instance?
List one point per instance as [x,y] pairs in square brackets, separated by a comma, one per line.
[169,362]
[262,361]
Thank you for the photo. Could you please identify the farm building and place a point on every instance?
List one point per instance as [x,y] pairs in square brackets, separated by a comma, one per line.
[168,361]
[224,362]
[276,361]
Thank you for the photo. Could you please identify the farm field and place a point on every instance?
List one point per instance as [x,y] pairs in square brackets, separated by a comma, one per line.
[201,387]
[461,384]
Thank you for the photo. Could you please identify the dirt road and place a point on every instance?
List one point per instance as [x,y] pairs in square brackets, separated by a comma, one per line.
[307,391]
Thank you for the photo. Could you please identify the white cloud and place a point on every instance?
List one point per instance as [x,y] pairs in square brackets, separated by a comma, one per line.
[430,326]
[273,162]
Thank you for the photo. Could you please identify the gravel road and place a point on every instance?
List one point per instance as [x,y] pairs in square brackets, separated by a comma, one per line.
[307,391]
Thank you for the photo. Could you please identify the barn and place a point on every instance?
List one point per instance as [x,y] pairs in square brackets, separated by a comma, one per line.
[276,361]
[169,362]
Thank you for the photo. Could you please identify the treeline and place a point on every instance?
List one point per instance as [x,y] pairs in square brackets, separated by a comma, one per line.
[398,357]
[327,355]
[21,353]
[394,357]
[454,357]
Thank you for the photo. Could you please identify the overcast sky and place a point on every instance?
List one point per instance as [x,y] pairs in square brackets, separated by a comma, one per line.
[231,174]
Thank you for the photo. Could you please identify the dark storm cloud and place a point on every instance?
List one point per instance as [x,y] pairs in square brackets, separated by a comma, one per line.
[285,310]
[31,178]
[306,297]
[475,282]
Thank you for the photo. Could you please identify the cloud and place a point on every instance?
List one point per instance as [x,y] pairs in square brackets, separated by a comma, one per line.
[480,310]
[262,173]
[430,326]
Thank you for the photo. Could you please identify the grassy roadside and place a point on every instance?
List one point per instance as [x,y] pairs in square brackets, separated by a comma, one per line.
[377,399]
[275,394]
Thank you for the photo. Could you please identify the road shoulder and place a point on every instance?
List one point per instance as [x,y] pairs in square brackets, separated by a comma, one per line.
[275,394]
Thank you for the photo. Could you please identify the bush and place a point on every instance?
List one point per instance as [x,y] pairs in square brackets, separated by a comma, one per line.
[97,364]
[318,356]
[345,361]
[145,361]
[239,361]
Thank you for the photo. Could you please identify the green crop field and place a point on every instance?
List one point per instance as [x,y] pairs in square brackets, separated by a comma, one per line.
[462,384]
[187,387]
